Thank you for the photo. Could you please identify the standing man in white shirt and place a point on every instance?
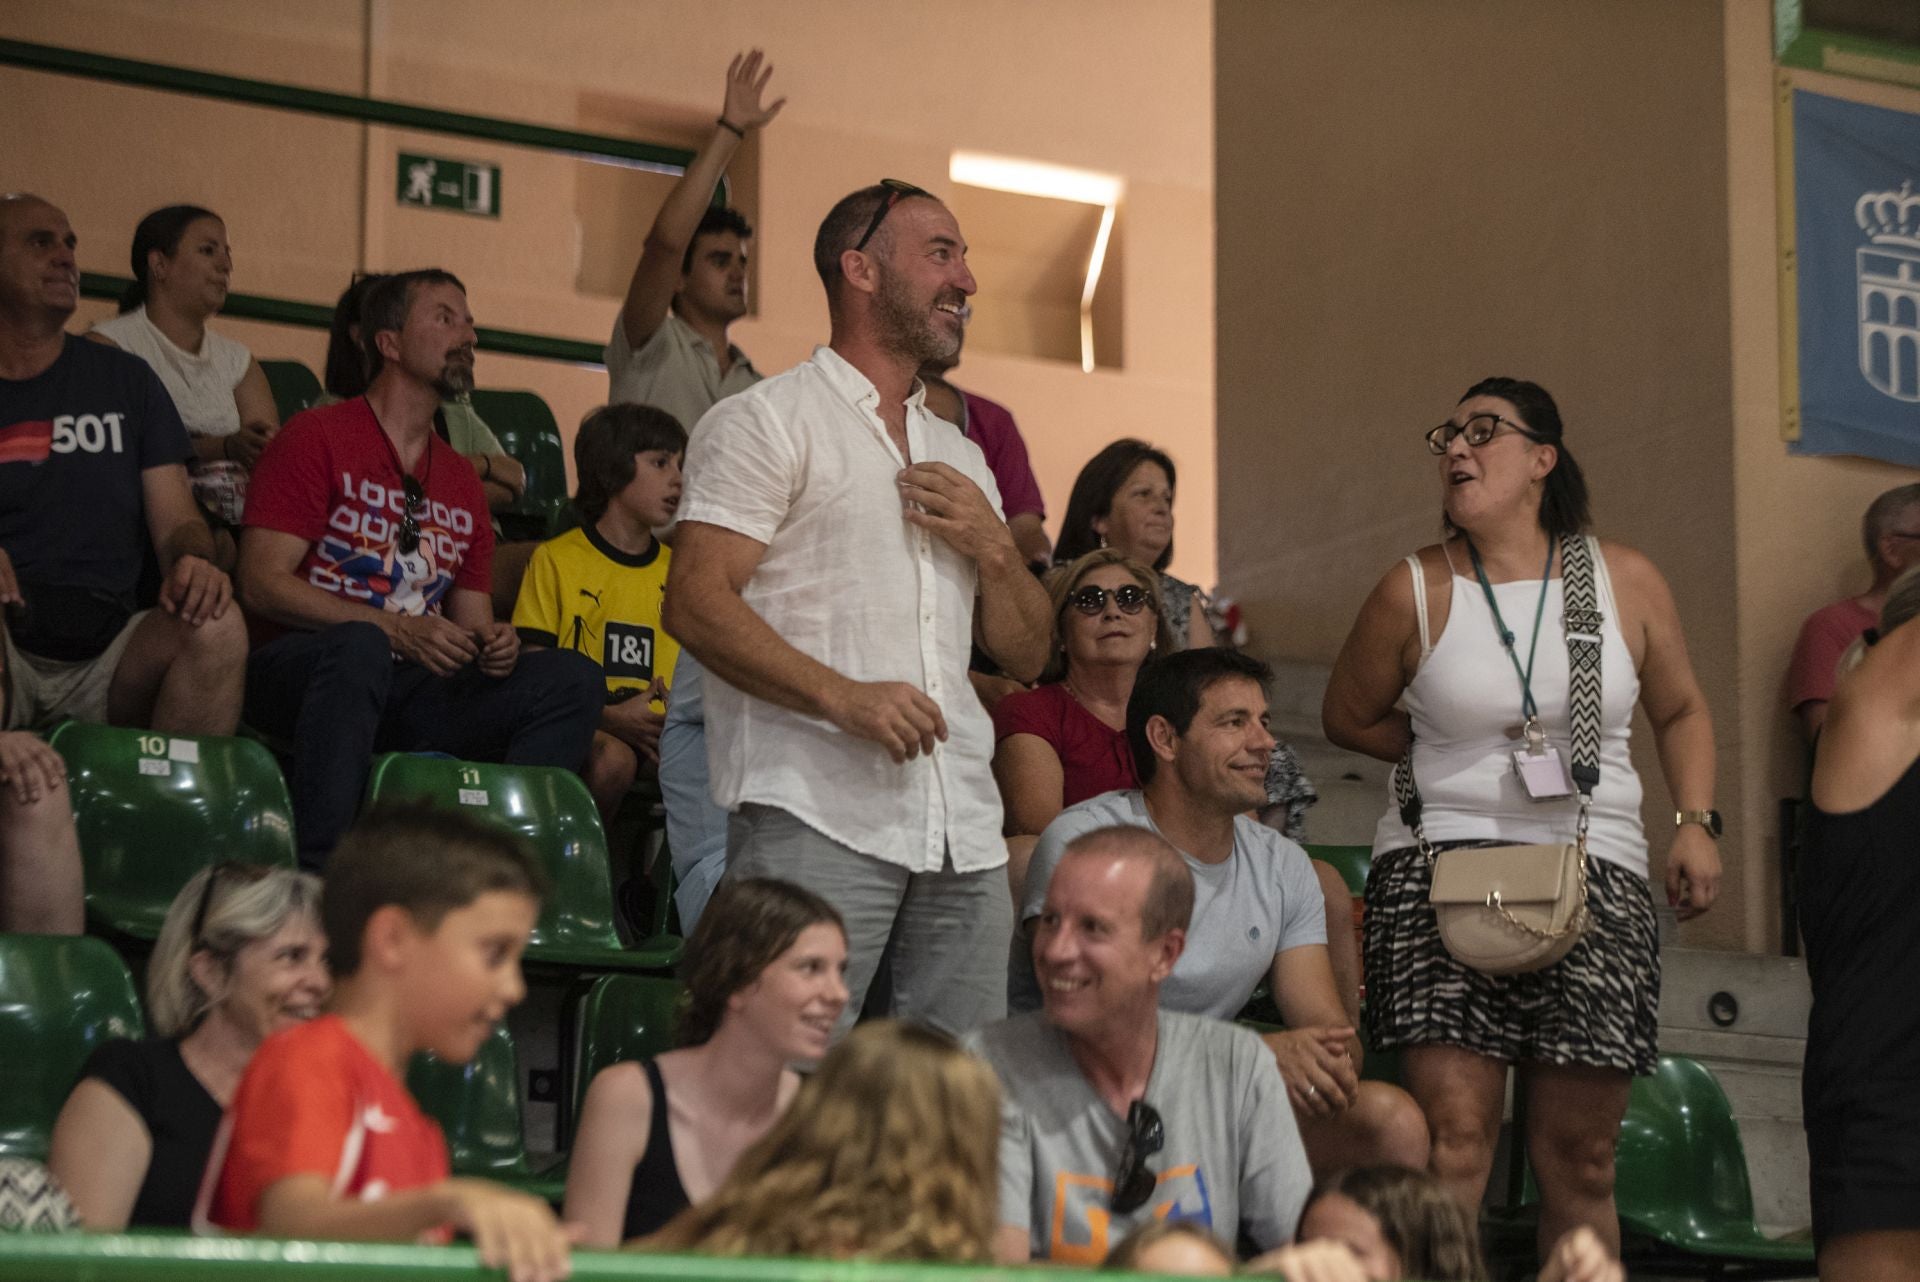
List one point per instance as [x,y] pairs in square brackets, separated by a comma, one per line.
[839,548]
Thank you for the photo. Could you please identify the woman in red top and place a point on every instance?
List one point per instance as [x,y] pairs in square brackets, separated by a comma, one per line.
[1065,740]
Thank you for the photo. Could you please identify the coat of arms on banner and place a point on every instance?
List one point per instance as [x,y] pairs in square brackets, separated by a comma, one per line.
[1856,277]
[1890,291]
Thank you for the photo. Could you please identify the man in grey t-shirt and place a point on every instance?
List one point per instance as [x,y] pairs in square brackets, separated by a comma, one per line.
[1197,725]
[1117,1113]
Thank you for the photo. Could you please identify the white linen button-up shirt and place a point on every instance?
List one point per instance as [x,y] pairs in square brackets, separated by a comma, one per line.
[802,463]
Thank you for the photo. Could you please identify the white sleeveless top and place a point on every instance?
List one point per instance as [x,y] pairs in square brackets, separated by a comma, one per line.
[200,383]
[1464,698]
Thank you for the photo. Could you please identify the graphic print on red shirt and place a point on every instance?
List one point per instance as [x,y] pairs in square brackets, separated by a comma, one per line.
[332,478]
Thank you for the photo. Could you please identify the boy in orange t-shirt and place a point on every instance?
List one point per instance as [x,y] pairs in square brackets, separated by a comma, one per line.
[426,915]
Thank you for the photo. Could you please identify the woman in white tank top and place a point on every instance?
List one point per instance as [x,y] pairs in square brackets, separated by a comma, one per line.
[1450,653]
[181,268]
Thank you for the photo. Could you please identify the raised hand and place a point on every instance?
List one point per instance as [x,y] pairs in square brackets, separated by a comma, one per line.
[746,83]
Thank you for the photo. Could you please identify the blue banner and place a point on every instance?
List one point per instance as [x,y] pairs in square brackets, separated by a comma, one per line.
[1856,190]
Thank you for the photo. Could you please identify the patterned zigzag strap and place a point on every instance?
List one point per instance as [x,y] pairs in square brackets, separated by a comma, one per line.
[1581,619]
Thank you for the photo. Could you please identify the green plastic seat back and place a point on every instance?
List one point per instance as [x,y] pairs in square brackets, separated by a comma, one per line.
[621,1017]
[527,430]
[1352,862]
[478,1106]
[60,997]
[154,809]
[294,386]
[551,808]
[1681,1170]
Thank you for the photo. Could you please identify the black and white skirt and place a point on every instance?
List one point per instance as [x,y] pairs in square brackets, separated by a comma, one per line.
[1598,1006]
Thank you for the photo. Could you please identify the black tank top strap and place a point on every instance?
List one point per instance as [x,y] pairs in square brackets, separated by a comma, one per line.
[656,1194]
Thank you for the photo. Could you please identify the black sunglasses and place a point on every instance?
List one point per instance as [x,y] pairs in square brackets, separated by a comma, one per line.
[247,874]
[896,192]
[1091,600]
[409,521]
[1133,1183]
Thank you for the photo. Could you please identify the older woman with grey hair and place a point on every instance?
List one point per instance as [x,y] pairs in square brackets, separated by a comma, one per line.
[240,956]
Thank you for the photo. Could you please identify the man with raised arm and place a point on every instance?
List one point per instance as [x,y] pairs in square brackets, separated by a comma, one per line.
[367,563]
[669,346]
[670,349]
[838,549]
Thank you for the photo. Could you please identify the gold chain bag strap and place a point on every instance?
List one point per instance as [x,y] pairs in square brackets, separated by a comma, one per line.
[1506,910]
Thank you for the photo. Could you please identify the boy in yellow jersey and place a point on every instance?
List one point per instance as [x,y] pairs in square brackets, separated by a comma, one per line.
[597,589]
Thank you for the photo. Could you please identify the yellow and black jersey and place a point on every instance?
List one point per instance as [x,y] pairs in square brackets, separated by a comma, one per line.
[583,593]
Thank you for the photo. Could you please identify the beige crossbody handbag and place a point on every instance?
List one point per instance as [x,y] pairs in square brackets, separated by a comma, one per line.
[1506,910]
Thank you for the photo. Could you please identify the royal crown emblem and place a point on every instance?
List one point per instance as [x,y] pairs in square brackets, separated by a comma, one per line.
[1890,291]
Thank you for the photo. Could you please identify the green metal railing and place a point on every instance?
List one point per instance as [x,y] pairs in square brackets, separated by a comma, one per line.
[598,148]
[285,311]
[90,1257]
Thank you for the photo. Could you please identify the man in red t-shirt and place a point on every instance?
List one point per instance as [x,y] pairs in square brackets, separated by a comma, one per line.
[365,566]
[1891,531]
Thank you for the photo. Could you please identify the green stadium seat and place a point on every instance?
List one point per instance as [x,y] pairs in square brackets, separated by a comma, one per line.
[1352,862]
[1680,1185]
[294,386]
[60,997]
[620,1017]
[478,1106]
[552,809]
[154,809]
[528,432]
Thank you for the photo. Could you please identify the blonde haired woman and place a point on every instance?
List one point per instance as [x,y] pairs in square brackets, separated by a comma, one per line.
[890,1152]
[240,955]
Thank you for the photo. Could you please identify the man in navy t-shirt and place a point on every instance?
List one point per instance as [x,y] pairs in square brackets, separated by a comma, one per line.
[93,475]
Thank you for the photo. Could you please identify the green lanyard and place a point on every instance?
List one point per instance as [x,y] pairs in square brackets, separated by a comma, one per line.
[1528,708]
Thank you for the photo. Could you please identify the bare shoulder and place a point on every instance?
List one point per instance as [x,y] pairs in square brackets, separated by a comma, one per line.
[1630,567]
[620,1086]
[95,336]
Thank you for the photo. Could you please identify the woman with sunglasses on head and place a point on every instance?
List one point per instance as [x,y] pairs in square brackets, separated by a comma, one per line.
[1472,634]
[182,265]
[240,955]
[1065,740]
[765,973]
[890,1152]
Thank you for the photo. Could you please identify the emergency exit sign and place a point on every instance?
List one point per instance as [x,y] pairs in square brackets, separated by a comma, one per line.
[434,182]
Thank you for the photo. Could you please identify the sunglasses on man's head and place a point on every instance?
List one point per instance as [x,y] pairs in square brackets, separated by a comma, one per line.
[1092,600]
[896,192]
[1133,1183]
[410,519]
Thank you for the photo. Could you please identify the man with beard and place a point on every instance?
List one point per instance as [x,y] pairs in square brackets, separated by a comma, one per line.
[838,548]
[365,567]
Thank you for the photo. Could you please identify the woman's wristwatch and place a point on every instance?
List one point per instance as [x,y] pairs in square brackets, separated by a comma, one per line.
[1708,819]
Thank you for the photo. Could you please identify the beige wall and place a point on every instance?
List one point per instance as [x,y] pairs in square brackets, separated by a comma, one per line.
[880,89]
[1414,196]
[1798,517]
